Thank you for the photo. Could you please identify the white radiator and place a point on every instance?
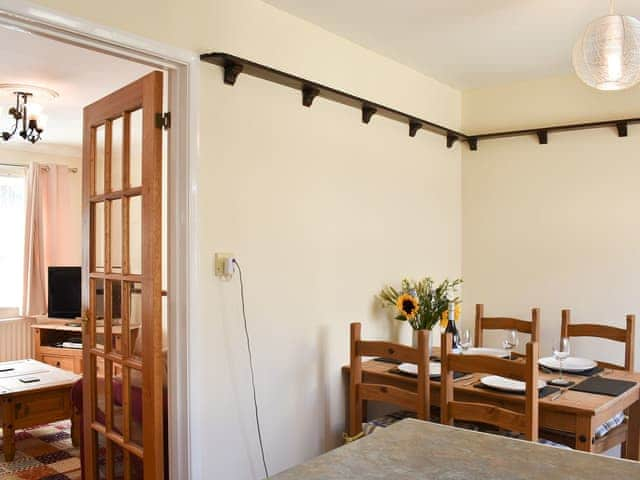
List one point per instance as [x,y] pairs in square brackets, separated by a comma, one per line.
[15,339]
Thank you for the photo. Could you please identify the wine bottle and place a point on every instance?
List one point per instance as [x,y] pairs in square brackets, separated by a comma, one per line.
[451,325]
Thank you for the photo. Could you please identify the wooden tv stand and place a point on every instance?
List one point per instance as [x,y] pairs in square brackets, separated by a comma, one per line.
[52,331]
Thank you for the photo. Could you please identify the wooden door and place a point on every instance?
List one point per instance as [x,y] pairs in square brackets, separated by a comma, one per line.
[123,434]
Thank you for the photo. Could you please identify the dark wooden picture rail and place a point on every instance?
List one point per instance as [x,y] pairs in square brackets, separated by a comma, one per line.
[233,66]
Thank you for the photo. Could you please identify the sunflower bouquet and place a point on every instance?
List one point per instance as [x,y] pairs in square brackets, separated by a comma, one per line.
[421,303]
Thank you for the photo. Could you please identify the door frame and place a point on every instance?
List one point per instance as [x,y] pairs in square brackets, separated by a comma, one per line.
[183,70]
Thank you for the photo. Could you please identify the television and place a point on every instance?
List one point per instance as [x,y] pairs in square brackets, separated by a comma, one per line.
[65,292]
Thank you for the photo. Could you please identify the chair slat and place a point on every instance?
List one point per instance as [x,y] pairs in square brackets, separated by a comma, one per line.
[487,364]
[389,394]
[488,414]
[599,331]
[390,350]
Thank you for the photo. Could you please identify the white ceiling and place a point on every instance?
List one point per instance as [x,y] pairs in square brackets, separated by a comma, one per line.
[464,43]
[80,76]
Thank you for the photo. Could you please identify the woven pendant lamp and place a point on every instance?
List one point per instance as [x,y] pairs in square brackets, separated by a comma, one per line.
[607,55]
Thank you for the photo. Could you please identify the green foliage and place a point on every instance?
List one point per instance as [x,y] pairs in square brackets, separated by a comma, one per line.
[433,300]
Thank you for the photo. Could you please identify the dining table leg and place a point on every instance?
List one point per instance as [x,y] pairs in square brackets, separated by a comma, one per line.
[632,450]
[584,433]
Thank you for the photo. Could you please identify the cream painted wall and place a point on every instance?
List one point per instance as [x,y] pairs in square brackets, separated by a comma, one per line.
[71,158]
[555,225]
[320,210]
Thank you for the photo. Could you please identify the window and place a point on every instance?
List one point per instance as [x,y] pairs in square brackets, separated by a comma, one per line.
[12,224]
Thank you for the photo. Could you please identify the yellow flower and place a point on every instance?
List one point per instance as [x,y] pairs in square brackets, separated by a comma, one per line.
[444,318]
[407,305]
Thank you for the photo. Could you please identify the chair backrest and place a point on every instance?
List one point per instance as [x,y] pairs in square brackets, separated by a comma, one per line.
[622,335]
[506,323]
[527,371]
[360,391]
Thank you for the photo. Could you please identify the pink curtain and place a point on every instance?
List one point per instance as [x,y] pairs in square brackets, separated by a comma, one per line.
[48,225]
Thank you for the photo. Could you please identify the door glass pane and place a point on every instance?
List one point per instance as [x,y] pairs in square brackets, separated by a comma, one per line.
[116,236]
[98,240]
[116,154]
[135,235]
[99,408]
[116,315]
[99,161]
[135,320]
[102,457]
[98,285]
[136,470]
[135,402]
[116,404]
[135,149]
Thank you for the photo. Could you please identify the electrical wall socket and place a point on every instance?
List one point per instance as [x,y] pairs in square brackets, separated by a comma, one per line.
[220,260]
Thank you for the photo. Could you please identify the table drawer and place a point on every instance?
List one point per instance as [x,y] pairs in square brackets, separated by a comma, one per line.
[65,363]
[44,407]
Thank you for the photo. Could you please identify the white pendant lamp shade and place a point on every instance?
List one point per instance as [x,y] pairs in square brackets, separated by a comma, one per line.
[607,56]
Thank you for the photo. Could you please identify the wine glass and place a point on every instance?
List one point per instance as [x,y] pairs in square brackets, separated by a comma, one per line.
[512,341]
[464,340]
[561,351]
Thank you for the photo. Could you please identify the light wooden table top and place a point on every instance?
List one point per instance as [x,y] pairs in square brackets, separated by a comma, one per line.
[416,450]
[47,375]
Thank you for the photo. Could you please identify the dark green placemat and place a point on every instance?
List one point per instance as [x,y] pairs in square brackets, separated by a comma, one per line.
[604,386]
[584,373]
[543,392]
[388,360]
[435,378]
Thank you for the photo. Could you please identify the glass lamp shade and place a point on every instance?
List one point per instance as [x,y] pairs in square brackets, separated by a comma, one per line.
[607,56]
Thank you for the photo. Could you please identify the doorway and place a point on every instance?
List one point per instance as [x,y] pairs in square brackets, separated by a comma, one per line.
[181,71]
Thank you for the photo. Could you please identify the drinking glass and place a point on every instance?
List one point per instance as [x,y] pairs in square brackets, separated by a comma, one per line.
[561,351]
[464,340]
[511,341]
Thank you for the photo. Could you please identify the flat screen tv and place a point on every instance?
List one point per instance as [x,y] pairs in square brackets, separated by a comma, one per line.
[65,292]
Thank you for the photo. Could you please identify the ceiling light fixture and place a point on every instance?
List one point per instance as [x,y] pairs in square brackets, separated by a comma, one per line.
[28,120]
[607,55]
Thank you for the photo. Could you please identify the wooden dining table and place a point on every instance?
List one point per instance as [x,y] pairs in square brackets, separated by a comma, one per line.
[415,450]
[575,413]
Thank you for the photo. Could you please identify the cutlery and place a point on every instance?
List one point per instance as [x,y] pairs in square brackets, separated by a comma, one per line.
[472,382]
[559,394]
[466,377]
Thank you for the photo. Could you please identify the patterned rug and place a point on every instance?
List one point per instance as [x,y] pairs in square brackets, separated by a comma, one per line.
[43,453]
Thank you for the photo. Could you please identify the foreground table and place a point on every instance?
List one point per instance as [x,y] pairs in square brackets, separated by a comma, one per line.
[45,398]
[416,450]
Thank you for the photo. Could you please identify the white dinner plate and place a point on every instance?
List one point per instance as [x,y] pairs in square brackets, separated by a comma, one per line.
[411,368]
[492,352]
[571,364]
[507,384]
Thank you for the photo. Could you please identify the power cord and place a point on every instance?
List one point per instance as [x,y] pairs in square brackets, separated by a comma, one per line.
[253,376]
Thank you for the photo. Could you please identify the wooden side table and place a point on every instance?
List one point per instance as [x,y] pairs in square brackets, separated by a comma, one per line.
[47,335]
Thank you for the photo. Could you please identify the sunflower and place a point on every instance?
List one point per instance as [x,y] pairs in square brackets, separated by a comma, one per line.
[407,305]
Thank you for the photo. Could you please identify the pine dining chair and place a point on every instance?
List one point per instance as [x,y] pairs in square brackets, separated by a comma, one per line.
[614,431]
[361,391]
[524,422]
[506,323]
